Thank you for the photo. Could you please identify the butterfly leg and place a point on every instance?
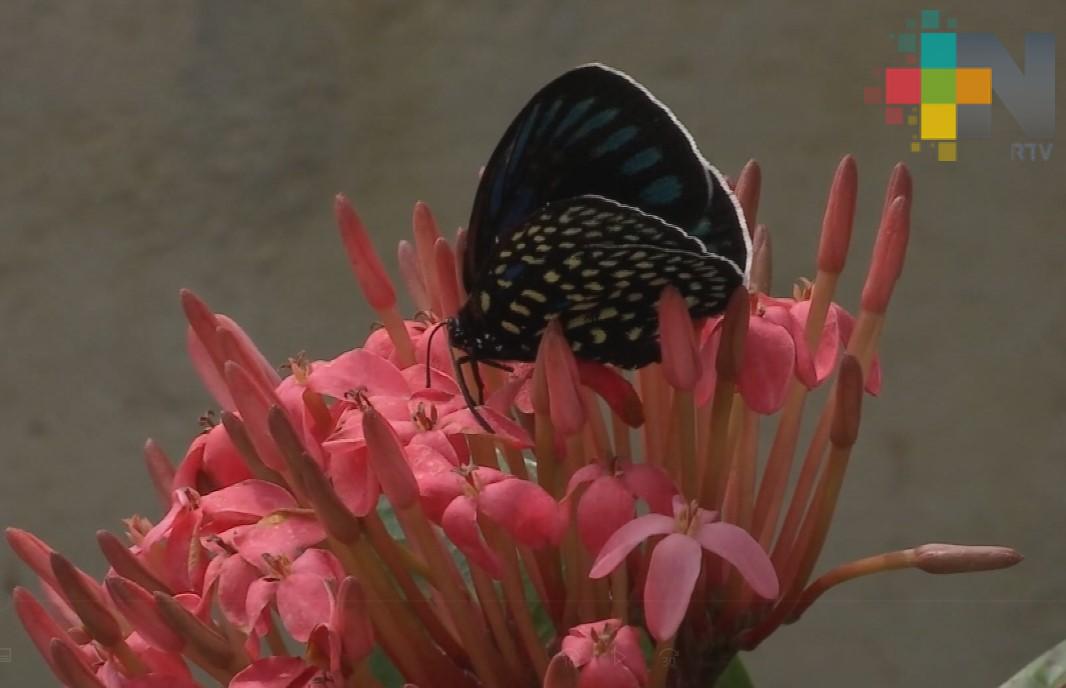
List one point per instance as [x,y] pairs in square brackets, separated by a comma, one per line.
[460,379]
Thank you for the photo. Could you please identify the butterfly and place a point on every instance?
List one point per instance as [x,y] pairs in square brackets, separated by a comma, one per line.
[595,199]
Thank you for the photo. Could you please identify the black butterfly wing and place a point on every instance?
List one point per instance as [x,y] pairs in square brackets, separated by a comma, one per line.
[722,227]
[599,267]
[592,131]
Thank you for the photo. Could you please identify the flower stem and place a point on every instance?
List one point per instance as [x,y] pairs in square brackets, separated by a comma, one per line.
[662,662]
[493,609]
[715,462]
[446,579]
[514,593]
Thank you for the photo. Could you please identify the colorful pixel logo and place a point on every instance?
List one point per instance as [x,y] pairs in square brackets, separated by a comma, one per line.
[944,89]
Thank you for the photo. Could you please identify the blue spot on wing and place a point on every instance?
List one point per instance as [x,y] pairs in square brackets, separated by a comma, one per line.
[548,118]
[514,271]
[576,113]
[592,124]
[615,141]
[497,194]
[518,208]
[642,160]
[702,228]
[662,191]
[519,148]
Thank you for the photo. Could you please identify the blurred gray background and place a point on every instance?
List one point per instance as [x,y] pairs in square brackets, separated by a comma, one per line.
[148,146]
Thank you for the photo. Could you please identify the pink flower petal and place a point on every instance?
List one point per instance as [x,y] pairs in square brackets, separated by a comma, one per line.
[736,546]
[320,562]
[627,649]
[439,381]
[244,503]
[282,533]
[606,671]
[578,648]
[223,464]
[625,540]
[304,601]
[653,485]
[583,476]
[508,393]
[437,489]
[779,312]
[672,574]
[354,482]
[274,672]
[462,422]
[523,400]
[235,578]
[460,525]
[846,325]
[605,507]
[435,441]
[615,389]
[260,594]
[524,509]
[828,353]
[354,370]
[769,360]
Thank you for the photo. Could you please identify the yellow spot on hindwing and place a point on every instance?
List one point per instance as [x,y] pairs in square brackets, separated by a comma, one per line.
[534,295]
[486,301]
[634,334]
[551,276]
[510,327]
[599,336]
[519,308]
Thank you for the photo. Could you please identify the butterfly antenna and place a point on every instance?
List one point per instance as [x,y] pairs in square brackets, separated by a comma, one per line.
[478,382]
[429,347]
[460,379]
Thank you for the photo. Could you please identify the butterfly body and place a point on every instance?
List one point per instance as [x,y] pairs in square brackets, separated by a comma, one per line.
[594,201]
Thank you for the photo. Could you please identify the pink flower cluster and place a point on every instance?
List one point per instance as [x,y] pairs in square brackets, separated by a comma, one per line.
[357,512]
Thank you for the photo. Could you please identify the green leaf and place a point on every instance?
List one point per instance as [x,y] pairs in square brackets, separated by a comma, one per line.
[383,669]
[734,676]
[1046,671]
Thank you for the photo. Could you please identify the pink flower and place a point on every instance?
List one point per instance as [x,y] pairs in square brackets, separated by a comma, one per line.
[455,497]
[433,420]
[776,352]
[282,672]
[609,499]
[773,345]
[211,461]
[676,560]
[272,560]
[607,654]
